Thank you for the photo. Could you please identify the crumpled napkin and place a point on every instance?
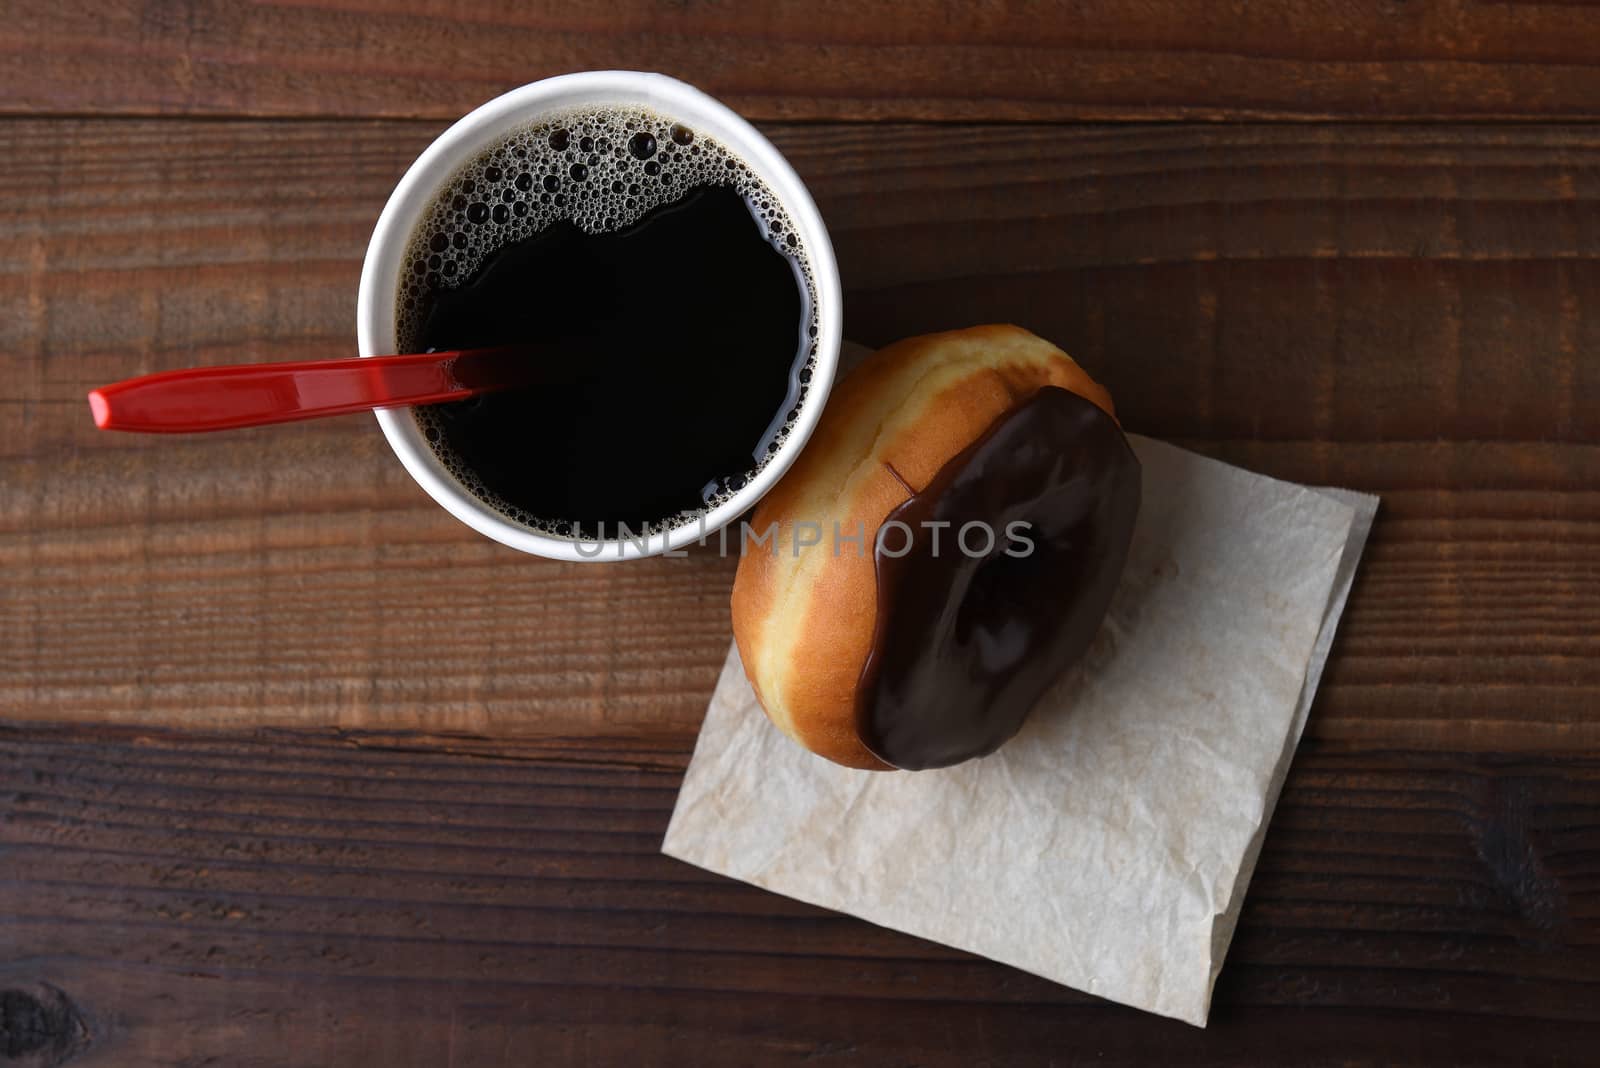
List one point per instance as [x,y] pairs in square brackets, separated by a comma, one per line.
[1108,846]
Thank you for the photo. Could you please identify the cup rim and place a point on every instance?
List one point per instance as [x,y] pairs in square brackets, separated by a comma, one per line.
[380,274]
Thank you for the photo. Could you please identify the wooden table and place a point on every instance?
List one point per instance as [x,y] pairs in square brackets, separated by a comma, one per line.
[295,769]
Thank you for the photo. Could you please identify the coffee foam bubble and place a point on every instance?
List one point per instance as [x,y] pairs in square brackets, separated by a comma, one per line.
[602,169]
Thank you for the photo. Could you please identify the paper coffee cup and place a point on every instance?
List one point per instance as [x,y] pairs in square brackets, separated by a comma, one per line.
[408,205]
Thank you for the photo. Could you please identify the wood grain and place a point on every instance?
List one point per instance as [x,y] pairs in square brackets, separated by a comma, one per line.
[830,59]
[312,898]
[411,807]
[1405,310]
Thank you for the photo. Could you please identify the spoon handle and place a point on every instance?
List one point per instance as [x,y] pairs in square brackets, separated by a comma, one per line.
[225,398]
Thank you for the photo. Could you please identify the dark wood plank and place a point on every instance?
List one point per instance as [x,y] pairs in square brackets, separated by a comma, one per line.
[923,59]
[317,898]
[1405,310]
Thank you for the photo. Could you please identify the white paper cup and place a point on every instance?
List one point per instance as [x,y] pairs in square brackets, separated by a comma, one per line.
[380,279]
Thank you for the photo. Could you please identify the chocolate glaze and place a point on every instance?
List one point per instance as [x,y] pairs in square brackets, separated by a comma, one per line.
[965,646]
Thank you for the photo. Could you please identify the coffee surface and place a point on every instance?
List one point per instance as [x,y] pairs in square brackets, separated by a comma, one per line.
[665,280]
[965,645]
[686,328]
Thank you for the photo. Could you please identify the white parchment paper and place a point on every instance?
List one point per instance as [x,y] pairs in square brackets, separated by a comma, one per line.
[1108,845]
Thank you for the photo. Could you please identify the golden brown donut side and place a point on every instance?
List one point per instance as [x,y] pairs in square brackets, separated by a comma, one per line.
[804,622]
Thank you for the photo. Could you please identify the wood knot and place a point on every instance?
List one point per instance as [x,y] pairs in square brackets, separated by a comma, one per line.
[1504,842]
[40,1028]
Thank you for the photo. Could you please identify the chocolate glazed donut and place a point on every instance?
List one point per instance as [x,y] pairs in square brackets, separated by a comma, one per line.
[979,614]
[875,653]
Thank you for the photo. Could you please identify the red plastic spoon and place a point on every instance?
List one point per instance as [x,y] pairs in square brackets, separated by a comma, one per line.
[223,398]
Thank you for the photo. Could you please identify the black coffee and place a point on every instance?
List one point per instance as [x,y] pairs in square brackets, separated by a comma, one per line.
[651,265]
